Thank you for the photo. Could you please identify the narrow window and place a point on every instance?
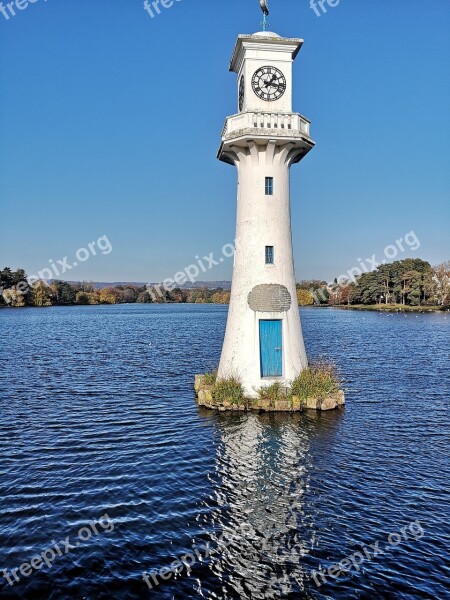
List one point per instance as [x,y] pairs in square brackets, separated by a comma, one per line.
[269,255]
[269,186]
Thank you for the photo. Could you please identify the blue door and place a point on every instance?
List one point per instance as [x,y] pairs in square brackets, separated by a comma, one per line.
[271,350]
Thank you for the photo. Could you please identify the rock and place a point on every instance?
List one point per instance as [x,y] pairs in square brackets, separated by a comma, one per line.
[296,403]
[283,405]
[340,398]
[329,403]
[205,396]
[261,404]
[312,404]
[198,382]
[228,403]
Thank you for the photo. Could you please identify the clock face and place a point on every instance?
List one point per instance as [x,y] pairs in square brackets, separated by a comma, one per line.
[269,83]
[241,92]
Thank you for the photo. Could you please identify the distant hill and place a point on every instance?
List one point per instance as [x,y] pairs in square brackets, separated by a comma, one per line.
[211,285]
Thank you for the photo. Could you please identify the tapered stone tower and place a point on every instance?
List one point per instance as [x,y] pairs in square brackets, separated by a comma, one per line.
[263,340]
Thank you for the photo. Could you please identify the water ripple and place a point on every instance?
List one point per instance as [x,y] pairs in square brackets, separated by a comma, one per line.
[98,417]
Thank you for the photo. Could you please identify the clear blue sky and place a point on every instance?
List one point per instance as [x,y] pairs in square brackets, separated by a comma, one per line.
[110,122]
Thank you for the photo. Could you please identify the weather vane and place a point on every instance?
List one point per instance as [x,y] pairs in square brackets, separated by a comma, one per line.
[265,9]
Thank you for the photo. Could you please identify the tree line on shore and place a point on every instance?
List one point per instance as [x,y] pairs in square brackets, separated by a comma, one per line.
[409,282]
[15,291]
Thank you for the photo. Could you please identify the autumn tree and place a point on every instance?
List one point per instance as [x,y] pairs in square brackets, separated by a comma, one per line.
[437,284]
[109,295]
[14,288]
[305,297]
[13,297]
[41,294]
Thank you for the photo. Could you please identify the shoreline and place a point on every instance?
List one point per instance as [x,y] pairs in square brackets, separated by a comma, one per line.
[391,308]
[361,307]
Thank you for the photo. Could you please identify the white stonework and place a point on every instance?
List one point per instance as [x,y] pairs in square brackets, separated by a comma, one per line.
[263,140]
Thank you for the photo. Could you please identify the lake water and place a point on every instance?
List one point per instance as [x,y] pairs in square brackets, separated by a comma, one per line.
[98,418]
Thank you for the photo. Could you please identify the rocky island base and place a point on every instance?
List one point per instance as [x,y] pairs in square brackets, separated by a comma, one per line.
[316,388]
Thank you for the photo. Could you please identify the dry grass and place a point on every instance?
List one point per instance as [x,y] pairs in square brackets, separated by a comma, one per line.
[273,392]
[319,381]
[210,378]
[228,390]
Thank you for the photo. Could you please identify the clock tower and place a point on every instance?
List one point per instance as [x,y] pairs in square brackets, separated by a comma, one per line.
[263,339]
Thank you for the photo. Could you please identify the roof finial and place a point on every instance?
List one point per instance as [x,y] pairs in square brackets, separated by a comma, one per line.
[265,9]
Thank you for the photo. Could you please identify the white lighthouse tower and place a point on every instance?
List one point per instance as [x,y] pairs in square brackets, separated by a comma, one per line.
[263,340]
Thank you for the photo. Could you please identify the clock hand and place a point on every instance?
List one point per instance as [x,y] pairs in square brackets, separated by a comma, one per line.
[273,81]
[273,84]
[268,82]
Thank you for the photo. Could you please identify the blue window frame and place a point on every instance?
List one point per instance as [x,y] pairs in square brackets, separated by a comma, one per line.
[269,255]
[269,186]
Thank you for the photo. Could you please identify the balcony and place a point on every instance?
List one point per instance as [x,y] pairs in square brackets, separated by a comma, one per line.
[291,125]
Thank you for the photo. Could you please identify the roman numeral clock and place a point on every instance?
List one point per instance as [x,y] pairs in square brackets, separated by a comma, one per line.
[269,83]
[263,339]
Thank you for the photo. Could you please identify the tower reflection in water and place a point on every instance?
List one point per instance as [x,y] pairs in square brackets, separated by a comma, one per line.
[256,521]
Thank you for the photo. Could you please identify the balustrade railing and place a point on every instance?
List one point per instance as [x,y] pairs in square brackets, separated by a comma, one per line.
[265,120]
